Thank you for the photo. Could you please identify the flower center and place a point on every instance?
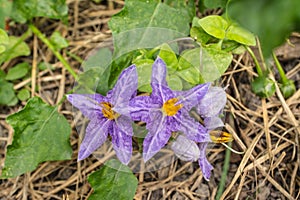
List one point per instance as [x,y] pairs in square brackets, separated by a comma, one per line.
[218,136]
[170,108]
[108,112]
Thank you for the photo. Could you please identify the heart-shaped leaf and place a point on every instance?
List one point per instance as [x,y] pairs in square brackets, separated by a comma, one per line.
[40,134]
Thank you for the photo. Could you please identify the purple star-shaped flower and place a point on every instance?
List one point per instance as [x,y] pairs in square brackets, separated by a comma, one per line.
[109,115]
[210,107]
[166,111]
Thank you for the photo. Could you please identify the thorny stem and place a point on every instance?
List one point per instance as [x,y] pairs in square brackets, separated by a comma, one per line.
[42,37]
[257,65]
[280,70]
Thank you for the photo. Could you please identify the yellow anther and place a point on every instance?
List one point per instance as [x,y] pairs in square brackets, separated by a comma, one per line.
[170,108]
[108,112]
[220,136]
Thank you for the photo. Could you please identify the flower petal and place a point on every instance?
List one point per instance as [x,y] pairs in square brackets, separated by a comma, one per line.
[140,107]
[192,97]
[122,142]
[158,135]
[205,166]
[124,89]
[161,93]
[212,123]
[95,136]
[185,149]
[213,102]
[88,104]
[193,129]
[159,72]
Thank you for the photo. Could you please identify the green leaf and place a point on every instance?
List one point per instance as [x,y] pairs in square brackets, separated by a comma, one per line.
[168,55]
[215,3]
[45,65]
[40,134]
[7,93]
[263,86]
[203,64]
[200,35]
[100,59]
[4,40]
[288,88]
[271,29]
[174,82]
[14,48]
[5,9]
[26,10]
[58,41]
[18,71]
[23,94]
[113,181]
[144,70]
[240,35]
[214,25]
[147,24]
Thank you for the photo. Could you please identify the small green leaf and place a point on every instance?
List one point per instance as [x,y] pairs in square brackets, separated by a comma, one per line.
[18,71]
[174,82]
[288,88]
[12,51]
[214,25]
[144,70]
[113,181]
[263,86]
[240,35]
[40,134]
[4,39]
[58,41]
[2,74]
[200,35]
[5,9]
[23,94]
[168,55]
[7,93]
[45,65]
[26,10]
[203,64]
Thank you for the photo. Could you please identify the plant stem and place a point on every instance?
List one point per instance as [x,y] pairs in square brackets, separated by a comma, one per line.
[224,173]
[284,79]
[257,65]
[42,37]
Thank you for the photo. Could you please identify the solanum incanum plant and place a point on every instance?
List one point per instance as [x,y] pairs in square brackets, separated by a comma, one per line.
[148,81]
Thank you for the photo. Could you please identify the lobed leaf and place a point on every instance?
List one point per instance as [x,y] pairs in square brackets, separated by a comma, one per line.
[113,181]
[40,134]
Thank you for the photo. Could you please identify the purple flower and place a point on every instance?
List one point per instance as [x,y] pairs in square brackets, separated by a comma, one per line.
[188,150]
[210,107]
[108,115]
[166,111]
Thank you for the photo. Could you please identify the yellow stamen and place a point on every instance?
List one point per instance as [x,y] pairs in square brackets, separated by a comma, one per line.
[108,112]
[170,108]
[218,136]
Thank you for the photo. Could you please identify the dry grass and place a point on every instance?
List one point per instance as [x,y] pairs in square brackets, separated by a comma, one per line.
[267,130]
